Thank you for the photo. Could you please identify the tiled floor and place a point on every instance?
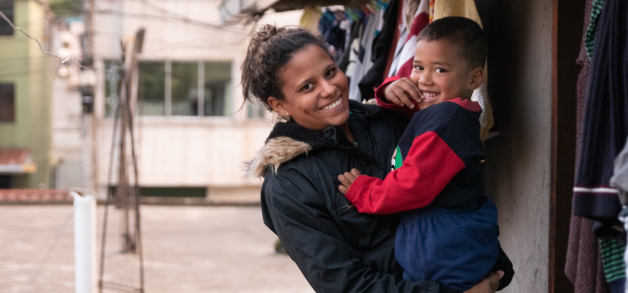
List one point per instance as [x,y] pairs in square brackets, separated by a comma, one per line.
[186,249]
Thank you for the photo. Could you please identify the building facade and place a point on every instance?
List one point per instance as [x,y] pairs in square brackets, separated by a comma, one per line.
[25,96]
[192,133]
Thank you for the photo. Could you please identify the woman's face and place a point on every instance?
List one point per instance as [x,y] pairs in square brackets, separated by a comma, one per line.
[316,92]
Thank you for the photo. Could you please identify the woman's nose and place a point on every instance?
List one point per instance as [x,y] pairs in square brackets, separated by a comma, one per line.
[327,89]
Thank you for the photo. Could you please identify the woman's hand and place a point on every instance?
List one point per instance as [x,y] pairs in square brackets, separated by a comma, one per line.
[488,285]
[347,179]
[401,92]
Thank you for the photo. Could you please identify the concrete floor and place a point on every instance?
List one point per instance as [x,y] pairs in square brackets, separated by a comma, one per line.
[186,249]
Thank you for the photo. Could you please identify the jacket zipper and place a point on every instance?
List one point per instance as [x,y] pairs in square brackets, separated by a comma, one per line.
[346,208]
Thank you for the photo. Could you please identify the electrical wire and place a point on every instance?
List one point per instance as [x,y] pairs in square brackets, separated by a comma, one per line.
[63,61]
[184,19]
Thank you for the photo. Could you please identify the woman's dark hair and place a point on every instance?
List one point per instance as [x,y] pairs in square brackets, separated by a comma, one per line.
[270,49]
[464,33]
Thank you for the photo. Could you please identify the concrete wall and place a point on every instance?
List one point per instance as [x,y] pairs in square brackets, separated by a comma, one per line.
[518,165]
[30,70]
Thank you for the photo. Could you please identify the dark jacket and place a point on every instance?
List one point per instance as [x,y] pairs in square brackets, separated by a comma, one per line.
[336,248]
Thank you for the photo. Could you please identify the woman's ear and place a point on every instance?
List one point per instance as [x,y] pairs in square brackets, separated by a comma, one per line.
[278,106]
[477,77]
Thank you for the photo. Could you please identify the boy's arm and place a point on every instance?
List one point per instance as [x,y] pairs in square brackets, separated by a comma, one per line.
[400,106]
[427,169]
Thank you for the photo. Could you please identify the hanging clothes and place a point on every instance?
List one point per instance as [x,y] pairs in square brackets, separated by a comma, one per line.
[364,63]
[614,267]
[590,36]
[395,39]
[467,8]
[604,131]
[310,18]
[583,264]
[404,53]
[620,181]
[605,125]
[620,175]
[381,47]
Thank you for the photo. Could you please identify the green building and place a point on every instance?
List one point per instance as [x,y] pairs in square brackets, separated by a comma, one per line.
[26,76]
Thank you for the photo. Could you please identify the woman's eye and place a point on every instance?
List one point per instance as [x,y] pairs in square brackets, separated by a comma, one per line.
[307,86]
[418,67]
[331,72]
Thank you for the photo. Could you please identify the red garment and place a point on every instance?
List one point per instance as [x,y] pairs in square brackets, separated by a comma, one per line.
[404,57]
[382,102]
[436,147]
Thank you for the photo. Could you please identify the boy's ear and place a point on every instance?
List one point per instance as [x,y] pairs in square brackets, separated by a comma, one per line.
[477,77]
[278,106]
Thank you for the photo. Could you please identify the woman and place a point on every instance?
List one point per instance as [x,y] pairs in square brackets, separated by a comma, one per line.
[337,249]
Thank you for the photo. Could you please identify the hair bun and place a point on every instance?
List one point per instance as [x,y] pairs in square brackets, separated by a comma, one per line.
[265,33]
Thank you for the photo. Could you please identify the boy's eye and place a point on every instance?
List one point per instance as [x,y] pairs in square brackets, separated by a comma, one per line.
[440,70]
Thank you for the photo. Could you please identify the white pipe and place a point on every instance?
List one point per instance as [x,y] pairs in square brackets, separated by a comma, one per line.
[84,242]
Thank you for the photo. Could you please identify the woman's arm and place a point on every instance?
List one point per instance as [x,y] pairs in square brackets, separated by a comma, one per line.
[317,245]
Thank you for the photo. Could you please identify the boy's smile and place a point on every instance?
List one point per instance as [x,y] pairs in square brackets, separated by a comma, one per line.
[441,73]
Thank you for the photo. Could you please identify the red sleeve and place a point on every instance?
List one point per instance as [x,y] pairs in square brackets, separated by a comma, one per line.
[384,103]
[427,169]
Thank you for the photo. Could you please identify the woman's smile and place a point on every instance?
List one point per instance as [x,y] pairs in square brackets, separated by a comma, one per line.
[332,105]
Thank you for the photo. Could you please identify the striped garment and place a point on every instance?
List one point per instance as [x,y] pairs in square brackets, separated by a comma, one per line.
[404,52]
[613,259]
[589,41]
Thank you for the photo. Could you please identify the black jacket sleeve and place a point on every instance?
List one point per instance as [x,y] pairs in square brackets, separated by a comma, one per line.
[297,214]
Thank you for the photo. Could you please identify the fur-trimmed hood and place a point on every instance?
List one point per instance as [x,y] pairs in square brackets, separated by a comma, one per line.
[275,152]
[289,140]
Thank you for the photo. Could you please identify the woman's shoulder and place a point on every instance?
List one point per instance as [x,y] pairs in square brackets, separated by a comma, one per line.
[276,152]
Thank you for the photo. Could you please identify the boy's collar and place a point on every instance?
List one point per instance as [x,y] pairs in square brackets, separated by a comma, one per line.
[467,104]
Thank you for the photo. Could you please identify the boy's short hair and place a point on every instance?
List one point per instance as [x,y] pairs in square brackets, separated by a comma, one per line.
[461,31]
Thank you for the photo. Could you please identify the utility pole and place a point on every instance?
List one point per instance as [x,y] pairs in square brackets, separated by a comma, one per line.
[127,197]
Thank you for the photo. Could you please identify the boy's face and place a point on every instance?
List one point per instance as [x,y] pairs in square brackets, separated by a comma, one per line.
[441,73]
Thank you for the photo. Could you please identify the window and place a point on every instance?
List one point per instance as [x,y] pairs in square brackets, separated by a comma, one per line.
[151,87]
[184,88]
[7,102]
[254,111]
[184,82]
[7,9]
[217,87]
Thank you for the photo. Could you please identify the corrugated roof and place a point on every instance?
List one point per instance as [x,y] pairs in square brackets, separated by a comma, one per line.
[16,161]
[34,195]
[15,156]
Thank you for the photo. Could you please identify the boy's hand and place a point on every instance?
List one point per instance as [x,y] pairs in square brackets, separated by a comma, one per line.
[347,179]
[488,285]
[401,92]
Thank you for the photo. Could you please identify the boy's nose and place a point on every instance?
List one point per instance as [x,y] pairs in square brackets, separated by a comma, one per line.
[425,78]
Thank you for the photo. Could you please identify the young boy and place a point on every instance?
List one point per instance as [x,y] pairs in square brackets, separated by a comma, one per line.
[448,230]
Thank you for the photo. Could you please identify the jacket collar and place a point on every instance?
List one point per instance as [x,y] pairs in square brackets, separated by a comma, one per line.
[289,140]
